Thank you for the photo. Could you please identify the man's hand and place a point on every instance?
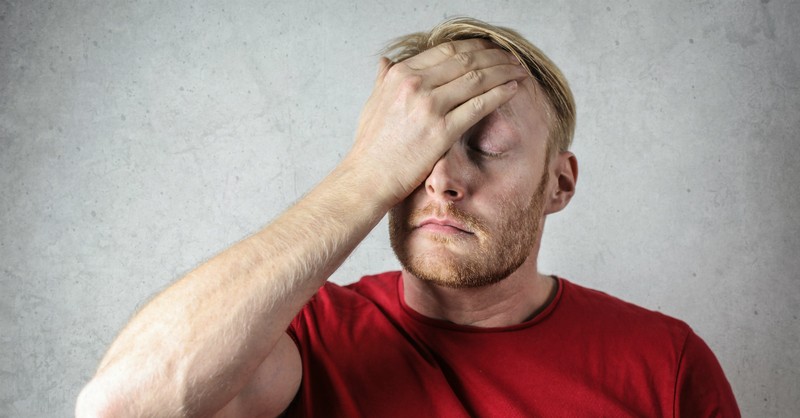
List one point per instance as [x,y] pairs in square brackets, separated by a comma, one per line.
[421,106]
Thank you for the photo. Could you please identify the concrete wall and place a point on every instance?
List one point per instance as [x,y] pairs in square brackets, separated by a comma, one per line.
[139,138]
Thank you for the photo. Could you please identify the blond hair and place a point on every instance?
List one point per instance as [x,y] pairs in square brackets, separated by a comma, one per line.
[560,103]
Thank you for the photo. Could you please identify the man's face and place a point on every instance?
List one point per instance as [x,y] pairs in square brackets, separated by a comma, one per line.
[477,216]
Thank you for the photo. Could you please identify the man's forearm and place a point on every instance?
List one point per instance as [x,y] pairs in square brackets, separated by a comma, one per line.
[193,347]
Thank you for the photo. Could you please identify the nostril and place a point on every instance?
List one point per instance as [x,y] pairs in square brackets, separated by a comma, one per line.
[451,193]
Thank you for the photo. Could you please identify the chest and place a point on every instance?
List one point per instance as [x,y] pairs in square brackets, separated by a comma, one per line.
[388,370]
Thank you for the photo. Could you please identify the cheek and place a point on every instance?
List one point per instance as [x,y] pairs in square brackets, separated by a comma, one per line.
[416,200]
[397,217]
[503,194]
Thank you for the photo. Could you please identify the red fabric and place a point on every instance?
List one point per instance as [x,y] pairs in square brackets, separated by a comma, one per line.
[365,353]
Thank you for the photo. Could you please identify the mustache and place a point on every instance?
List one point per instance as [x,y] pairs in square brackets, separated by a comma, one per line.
[449,210]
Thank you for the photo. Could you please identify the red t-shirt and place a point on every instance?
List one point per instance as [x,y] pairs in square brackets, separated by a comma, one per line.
[366,353]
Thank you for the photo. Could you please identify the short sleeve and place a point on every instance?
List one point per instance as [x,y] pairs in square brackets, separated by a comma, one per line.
[701,388]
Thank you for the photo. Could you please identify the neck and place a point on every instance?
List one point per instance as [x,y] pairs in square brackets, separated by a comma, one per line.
[511,301]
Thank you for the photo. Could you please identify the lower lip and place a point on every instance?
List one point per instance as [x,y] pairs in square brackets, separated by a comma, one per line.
[442,229]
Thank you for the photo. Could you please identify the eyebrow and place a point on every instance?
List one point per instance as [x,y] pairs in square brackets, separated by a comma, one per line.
[509,118]
[507,132]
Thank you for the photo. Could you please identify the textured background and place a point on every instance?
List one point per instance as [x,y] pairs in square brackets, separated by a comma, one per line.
[139,138]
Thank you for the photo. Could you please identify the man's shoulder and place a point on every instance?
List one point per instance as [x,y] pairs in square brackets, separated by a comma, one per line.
[368,289]
[594,306]
[386,281]
[381,282]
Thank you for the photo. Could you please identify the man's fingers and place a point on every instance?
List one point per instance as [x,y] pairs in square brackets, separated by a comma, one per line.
[447,50]
[473,110]
[474,84]
[464,62]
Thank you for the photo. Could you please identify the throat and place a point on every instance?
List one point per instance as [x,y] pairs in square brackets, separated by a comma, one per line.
[511,301]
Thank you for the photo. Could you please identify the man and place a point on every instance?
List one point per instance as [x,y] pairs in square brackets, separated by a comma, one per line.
[464,142]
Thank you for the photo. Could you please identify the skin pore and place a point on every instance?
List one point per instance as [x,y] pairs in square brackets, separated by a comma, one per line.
[469,236]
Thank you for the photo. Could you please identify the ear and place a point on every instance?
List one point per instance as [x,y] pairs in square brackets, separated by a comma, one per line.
[564,172]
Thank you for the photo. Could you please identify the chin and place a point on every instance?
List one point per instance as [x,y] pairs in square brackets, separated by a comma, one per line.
[456,272]
[461,262]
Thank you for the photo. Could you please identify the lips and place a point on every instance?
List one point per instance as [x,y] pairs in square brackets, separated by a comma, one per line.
[446,225]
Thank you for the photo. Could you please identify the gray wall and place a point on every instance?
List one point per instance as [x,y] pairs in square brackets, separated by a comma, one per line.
[137,139]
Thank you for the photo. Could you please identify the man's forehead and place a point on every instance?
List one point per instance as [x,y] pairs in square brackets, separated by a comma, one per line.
[526,110]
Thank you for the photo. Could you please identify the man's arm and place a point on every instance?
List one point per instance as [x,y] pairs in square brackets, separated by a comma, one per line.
[702,390]
[218,334]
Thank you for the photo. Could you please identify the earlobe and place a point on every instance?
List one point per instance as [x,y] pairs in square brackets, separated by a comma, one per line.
[565,174]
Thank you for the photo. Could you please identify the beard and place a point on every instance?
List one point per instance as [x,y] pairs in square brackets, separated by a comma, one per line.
[496,252]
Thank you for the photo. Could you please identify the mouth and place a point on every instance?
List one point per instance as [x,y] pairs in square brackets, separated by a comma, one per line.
[444,226]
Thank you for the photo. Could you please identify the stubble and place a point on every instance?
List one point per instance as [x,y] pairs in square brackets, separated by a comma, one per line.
[495,253]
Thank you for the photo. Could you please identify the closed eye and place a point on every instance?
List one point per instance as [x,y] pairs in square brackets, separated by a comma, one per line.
[484,153]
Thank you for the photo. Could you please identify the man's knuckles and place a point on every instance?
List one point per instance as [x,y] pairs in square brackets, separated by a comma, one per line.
[475,77]
[447,49]
[477,107]
[466,59]
[410,85]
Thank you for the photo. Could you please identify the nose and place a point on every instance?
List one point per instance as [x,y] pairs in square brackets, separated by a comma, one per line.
[447,179]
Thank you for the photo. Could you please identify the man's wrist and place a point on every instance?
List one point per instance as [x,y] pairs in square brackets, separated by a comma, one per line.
[366,185]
